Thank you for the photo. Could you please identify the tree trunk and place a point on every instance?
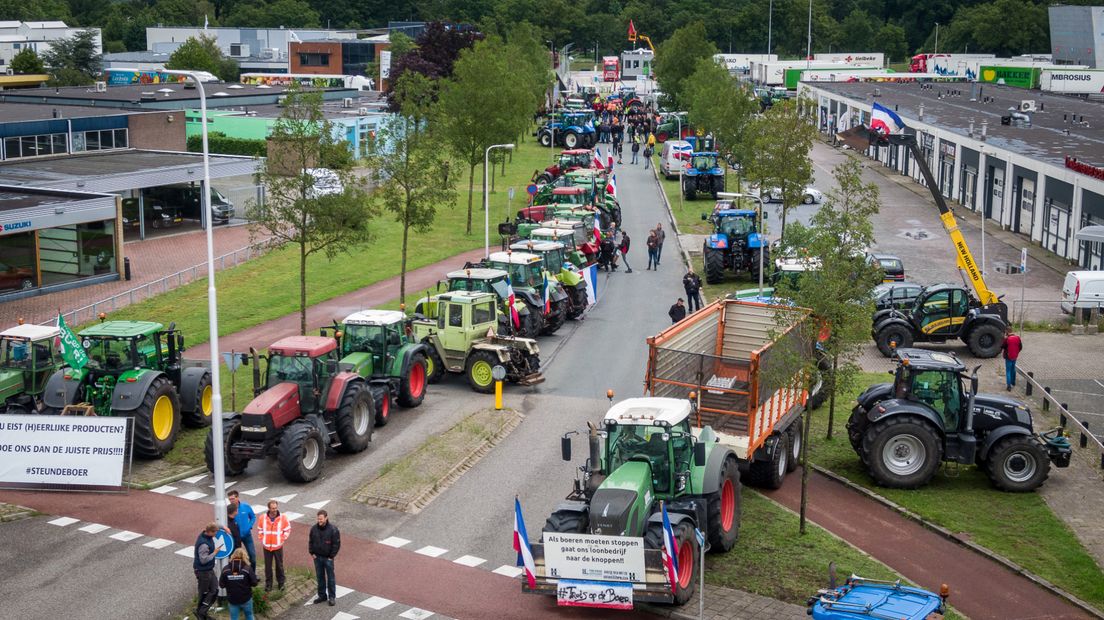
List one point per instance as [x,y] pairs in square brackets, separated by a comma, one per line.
[471,192]
[832,394]
[782,232]
[302,288]
[805,469]
[402,266]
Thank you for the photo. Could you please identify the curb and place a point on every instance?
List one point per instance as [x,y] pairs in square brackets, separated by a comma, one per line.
[671,216]
[188,473]
[951,536]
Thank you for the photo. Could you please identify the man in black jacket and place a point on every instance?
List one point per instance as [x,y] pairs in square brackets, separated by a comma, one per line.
[238,578]
[692,284]
[677,311]
[323,544]
[203,563]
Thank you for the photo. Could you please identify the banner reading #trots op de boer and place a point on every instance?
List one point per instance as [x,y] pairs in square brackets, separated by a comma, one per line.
[74,453]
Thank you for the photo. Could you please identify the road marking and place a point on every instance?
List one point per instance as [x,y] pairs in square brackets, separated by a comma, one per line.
[469,560]
[194,479]
[187,552]
[507,570]
[252,492]
[158,543]
[395,542]
[94,528]
[293,515]
[258,509]
[225,485]
[193,495]
[344,616]
[1098,382]
[376,602]
[317,505]
[431,551]
[125,536]
[283,499]
[340,591]
[63,521]
[163,490]
[415,613]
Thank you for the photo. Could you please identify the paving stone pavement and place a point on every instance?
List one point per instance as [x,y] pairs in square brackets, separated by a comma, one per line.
[728,604]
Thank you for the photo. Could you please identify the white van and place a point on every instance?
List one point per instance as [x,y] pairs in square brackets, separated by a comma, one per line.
[1083,289]
[669,158]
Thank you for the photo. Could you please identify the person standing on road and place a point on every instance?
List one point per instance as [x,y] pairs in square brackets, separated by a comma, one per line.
[653,257]
[238,579]
[692,283]
[231,518]
[323,545]
[245,520]
[677,311]
[1011,347]
[635,149]
[624,249]
[275,529]
[660,237]
[203,564]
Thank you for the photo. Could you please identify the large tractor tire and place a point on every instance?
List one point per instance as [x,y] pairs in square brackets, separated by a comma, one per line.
[478,370]
[200,417]
[771,473]
[754,261]
[794,439]
[412,386]
[856,429]
[902,452]
[435,366]
[554,321]
[1018,464]
[532,324]
[231,432]
[156,420]
[713,259]
[544,178]
[686,545]
[689,191]
[724,509]
[354,419]
[381,403]
[893,336]
[985,340]
[662,137]
[578,306]
[566,522]
[545,139]
[571,140]
[302,452]
[717,185]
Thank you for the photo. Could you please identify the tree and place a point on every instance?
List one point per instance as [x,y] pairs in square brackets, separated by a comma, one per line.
[436,51]
[203,54]
[857,31]
[73,61]
[892,41]
[719,104]
[1003,27]
[677,58]
[413,175]
[27,61]
[778,153]
[274,14]
[295,211]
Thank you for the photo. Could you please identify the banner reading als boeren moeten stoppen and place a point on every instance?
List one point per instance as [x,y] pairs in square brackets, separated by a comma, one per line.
[47,451]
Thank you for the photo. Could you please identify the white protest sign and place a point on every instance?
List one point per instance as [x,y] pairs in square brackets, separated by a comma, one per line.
[610,595]
[42,450]
[586,556]
[385,64]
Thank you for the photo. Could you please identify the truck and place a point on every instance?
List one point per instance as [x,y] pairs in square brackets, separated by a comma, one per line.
[610,69]
[947,64]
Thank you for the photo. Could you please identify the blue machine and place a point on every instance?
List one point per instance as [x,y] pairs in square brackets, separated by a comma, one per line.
[702,173]
[734,245]
[865,598]
[568,129]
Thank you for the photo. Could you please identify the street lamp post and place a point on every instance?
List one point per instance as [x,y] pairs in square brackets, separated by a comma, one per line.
[770,26]
[487,197]
[759,199]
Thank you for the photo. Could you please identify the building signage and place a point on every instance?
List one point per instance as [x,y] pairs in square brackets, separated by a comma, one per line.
[587,556]
[16,226]
[44,451]
[1020,77]
[866,58]
[1072,81]
[1095,172]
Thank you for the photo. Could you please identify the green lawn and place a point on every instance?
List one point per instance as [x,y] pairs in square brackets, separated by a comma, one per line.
[688,214]
[1019,526]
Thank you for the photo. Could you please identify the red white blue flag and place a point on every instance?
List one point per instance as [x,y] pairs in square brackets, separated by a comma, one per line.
[510,302]
[611,185]
[521,545]
[670,549]
[547,294]
[597,227]
[885,121]
[609,161]
[598,159]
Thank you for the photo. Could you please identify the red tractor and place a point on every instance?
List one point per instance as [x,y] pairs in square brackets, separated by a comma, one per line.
[569,160]
[307,404]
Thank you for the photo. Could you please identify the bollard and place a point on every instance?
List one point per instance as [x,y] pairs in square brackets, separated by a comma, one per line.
[498,395]
[1062,420]
[126,268]
[1046,399]
[1065,406]
[1030,381]
[1084,437]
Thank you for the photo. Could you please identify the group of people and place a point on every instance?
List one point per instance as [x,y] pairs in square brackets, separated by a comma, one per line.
[692,284]
[239,576]
[614,249]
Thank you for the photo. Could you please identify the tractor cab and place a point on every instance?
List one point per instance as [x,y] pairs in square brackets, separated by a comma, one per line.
[370,340]
[569,196]
[306,362]
[934,379]
[28,356]
[525,270]
[114,347]
[463,317]
[572,250]
[703,162]
[656,435]
[527,277]
[484,280]
[573,159]
[551,252]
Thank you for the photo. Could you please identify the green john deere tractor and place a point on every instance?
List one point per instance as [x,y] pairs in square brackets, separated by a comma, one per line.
[134,369]
[377,345]
[557,266]
[527,279]
[27,359]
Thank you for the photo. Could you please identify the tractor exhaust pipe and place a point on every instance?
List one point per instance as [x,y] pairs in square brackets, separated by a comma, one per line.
[256,372]
[970,406]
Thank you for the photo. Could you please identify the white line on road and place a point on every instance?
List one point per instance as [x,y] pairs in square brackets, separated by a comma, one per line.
[317,505]
[187,552]
[194,479]
[340,591]
[293,515]
[415,613]
[193,495]
[125,536]
[163,490]
[253,492]
[344,616]
[432,551]
[507,570]
[158,543]
[225,485]
[94,528]
[63,521]
[395,541]
[469,560]
[376,602]
[283,499]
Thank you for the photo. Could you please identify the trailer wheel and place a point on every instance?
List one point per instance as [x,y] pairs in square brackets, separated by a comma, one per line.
[301,452]
[902,452]
[893,336]
[412,386]
[686,545]
[985,340]
[770,474]
[566,522]
[724,509]
[231,432]
[1018,464]
[713,259]
[795,437]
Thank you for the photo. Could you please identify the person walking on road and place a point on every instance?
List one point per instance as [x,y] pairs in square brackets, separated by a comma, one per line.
[677,311]
[624,249]
[692,283]
[323,544]
[635,149]
[653,256]
[238,579]
[245,520]
[660,238]
[1011,347]
[275,529]
[203,564]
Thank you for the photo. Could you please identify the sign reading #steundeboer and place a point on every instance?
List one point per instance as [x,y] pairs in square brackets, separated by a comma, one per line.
[42,451]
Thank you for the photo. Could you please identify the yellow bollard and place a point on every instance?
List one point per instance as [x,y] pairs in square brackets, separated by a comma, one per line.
[498,395]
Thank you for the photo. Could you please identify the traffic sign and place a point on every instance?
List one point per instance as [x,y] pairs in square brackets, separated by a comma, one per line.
[1023,260]
[510,193]
[224,545]
[532,189]
[498,373]
[233,361]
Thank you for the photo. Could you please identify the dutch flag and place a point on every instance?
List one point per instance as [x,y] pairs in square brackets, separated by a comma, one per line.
[609,161]
[521,545]
[547,294]
[670,549]
[510,302]
[597,227]
[598,159]
[885,121]
[611,185]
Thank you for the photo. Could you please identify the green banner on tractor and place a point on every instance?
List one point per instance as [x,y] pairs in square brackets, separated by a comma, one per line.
[71,350]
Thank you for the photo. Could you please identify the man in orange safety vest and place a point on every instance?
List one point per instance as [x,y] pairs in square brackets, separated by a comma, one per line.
[275,529]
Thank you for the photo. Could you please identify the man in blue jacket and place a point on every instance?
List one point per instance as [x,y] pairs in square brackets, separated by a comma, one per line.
[203,563]
[244,522]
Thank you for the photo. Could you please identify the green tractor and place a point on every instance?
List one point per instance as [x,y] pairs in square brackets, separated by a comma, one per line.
[483,280]
[376,344]
[573,251]
[556,266]
[27,359]
[527,279]
[645,453]
[462,339]
[134,369]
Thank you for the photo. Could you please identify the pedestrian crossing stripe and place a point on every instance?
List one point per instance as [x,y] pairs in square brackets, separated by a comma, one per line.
[252,492]
[415,613]
[163,489]
[193,495]
[317,505]
[340,591]
[507,570]
[125,536]
[293,515]
[344,616]
[283,499]
[94,528]
[158,543]
[395,541]
[63,521]
[194,479]
[431,551]
[469,561]
[187,552]
[376,602]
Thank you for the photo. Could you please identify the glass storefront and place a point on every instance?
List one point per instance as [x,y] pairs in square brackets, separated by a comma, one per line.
[17,262]
[64,254]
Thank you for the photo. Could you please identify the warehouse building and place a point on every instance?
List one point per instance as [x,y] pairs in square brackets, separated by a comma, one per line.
[1033,163]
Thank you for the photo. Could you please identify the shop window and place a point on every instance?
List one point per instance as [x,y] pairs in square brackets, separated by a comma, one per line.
[100,140]
[73,252]
[17,262]
[34,146]
[314,60]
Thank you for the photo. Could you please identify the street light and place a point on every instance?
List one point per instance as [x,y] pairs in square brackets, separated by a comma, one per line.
[487,197]
[761,207]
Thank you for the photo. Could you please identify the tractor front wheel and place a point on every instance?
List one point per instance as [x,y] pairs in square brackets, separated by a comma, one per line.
[231,432]
[156,420]
[714,265]
[435,366]
[532,324]
[301,452]
[985,340]
[545,139]
[412,386]
[566,522]
[724,509]
[686,546]
[354,419]
[688,190]
[902,452]
[381,402]
[200,417]
[478,369]
[571,140]
[1018,464]
[891,337]
[661,136]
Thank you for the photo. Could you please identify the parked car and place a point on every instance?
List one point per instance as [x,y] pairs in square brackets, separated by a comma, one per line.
[1084,290]
[157,214]
[811,195]
[188,200]
[673,157]
[898,295]
[16,278]
[893,268]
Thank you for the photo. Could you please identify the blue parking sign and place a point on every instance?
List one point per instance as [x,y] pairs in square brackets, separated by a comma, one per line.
[224,545]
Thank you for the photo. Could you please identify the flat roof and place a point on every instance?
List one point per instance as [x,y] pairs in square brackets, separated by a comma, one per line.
[12,198]
[14,112]
[133,93]
[1045,140]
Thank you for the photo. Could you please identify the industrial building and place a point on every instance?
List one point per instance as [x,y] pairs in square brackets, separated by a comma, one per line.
[39,36]
[1077,35]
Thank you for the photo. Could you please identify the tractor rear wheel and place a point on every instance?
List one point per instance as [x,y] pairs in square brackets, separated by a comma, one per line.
[892,336]
[201,416]
[301,452]
[571,140]
[578,298]
[771,473]
[478,369]
[1018,464]
[754,261]
[713,259]
[544,178]
[435,366]
[661,136]
[354,419]
[985,340]
[231,432]
[555,320]
[688,190]
[686,546]
[855,428]
[902,452]
[381,403]
[545,139]
[566,522]
[156,420]
[412,385]
[794,439]
[724,509]
[532,323]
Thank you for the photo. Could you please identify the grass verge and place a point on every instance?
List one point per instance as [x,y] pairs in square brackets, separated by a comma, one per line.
[687,212]
[1018,526]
